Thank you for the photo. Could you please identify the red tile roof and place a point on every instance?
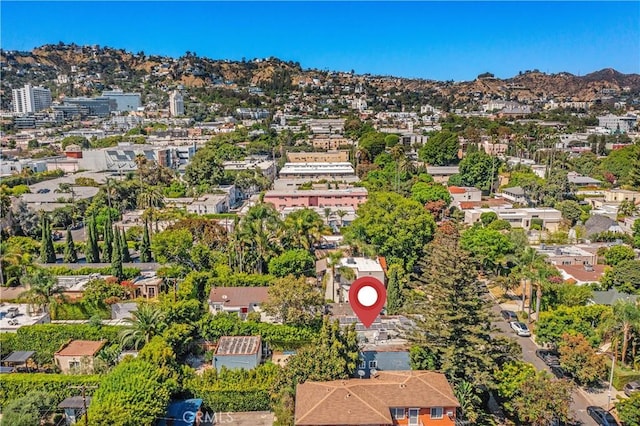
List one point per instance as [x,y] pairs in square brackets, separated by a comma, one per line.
[457,190]
[81,348]
[368,401]
[580,274]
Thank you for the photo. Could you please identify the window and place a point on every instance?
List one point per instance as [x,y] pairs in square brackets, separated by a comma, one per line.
[397,413]
[413,416]
[373,364]
[151,291]
[363,364]
[74,364]
[436,412]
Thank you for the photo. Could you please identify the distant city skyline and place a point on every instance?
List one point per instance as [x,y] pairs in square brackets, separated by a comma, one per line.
[440,41]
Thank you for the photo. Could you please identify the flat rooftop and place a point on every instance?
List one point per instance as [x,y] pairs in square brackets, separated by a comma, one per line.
[362,264]
[317,192]
[238,345]
[315,168]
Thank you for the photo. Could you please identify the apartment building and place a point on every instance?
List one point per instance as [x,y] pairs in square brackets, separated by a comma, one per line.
[318,157]
[348,197]
[30,99]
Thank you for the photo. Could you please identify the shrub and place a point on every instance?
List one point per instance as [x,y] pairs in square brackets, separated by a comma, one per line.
[235,390]
[46,339]
[17,385]
[78,311]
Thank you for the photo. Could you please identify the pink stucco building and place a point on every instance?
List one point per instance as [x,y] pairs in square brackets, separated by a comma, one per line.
[349,197]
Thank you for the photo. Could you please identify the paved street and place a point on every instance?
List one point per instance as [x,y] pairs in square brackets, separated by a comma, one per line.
[580,403]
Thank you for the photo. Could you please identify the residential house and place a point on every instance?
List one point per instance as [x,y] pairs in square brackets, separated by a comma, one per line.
[266,167]
[382,357]
[578,180]
[461,194]
[610,297]
[515,194]
[147,286]
[241,300]
[364,267]
[620,195]
[209,204]
[236,352]
[78,356]
[581,274]
[441,174]
[569,255]
[389,398]
[520,218]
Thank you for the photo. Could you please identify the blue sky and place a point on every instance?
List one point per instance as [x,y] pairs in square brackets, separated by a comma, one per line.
[442,40]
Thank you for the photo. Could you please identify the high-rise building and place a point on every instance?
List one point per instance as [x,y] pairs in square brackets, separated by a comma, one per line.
[176,103]
[124,101]
[31,99]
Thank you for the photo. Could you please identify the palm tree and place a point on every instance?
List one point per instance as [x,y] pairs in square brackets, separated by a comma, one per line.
[625,320]
[151,198]
[42,289]
[148,321]
[341,214]
[304,228]
[262,229]
[14,263]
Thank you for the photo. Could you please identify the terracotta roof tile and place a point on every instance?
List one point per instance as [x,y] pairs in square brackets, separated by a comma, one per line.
[367,401]
[82,348]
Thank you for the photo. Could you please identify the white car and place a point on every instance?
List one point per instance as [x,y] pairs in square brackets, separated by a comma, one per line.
[520,328]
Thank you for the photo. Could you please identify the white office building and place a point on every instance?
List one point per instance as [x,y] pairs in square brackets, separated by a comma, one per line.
[615,123]
[176,103]
[31,99]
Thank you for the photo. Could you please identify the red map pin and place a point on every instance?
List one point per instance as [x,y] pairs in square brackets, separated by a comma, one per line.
[367,297]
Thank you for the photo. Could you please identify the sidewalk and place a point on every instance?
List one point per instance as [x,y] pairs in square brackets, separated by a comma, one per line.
[600,397]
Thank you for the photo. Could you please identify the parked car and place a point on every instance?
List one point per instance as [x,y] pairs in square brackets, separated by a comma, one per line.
[520,328]
[509,315]
[549,357]
[601,416]
[12,312]
[631,387]
[43,190]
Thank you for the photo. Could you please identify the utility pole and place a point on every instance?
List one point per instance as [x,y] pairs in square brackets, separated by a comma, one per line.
[84,400]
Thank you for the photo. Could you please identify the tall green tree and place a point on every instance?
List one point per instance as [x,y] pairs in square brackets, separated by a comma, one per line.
[70,255]
[27,410]
[294,301]
[47,252]
[145,246]
[636,233]
[124,247]
[395,289]
[107,241]
[116,258]
[91,248]
[454,325]
[441,149]
[391,226]
[479,169]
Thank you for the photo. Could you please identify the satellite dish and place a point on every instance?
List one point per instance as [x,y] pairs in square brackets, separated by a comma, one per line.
[224,297]
[373,371]
[361,373]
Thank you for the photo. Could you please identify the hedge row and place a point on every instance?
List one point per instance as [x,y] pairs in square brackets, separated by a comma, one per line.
[46,339]
[235,390]
[78,311]
[622,377]
[17,385]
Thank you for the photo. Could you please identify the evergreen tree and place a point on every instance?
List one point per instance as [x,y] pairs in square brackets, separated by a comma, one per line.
[107,247]
[395,295]
[47,252]
[92,253]
[634,174]
[70,255]
[126,256]
[145,247]
[454,328]
[116,259]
